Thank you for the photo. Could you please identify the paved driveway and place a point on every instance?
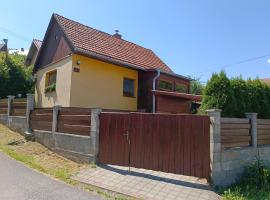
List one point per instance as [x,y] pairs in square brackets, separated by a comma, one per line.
[147,184]
[21,183]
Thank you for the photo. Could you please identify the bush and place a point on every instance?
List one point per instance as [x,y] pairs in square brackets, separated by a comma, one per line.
[51,88]
[15,78]
[236,96]
[254,184]
[196,86]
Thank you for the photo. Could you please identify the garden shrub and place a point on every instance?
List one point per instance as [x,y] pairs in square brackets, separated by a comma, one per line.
[236,96]
[253,184]
[15,78]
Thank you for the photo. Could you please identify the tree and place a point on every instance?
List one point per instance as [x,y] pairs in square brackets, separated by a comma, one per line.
[236,96]
[196,87]
[218,94]
[15,78]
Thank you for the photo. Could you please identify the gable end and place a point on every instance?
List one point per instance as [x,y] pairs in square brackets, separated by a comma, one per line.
[55,45]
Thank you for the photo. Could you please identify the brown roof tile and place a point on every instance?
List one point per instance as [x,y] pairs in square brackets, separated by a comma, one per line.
[85,38]
[38,43]
[266,80]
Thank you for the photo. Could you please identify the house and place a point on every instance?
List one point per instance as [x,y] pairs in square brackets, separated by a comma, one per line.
[33,52]
[265,80]
[21,51]
[78,66]
[3,45]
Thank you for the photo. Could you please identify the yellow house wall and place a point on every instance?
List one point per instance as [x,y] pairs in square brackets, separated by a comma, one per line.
[63,84]
[99,84]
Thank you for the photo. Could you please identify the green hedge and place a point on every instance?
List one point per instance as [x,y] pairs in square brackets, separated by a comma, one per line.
[15,78]
[236,96]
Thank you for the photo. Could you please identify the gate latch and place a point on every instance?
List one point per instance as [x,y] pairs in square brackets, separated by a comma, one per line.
[127,135]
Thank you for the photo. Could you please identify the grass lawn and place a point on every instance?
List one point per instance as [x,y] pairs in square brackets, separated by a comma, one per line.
[42,159]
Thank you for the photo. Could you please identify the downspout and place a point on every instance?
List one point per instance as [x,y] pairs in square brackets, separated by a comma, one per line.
[154,88]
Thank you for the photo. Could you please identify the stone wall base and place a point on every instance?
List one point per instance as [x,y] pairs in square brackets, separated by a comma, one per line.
[3,119]
[234,161]
[15,123]
[73,147]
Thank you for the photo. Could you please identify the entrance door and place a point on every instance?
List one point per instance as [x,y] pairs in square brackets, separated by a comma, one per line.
[114,140]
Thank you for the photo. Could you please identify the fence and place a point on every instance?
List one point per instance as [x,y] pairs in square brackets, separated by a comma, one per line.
[164,142]
[263,132]
[74,121]
[235,144]
[3,106]
[18,107]
[68,120]
[41,119]
[72,132]
[235,132]
[171,143]
[14,112]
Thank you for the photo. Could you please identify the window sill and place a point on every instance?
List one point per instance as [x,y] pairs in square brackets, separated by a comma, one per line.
[49,92]
[129,96]
[165,90]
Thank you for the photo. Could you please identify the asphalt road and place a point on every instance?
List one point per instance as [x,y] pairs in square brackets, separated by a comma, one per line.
[18,182]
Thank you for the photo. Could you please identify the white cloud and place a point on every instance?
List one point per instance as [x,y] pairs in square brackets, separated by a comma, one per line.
[268,61]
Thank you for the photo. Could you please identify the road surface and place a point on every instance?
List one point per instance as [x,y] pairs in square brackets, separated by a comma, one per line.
[18,182]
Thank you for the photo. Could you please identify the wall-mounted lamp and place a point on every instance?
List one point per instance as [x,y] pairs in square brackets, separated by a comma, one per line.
[78,62]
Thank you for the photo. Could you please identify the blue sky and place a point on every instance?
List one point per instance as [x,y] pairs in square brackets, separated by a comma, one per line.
[193,37]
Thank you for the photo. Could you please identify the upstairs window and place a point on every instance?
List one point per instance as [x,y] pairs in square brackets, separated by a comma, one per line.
[128,87]
[179,87]
[165,85]
[50,85]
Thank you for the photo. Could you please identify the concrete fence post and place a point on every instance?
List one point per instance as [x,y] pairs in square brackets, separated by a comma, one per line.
[253,122]
[10,99]
[94,133]
[29,107]
[55,118]
[215,146]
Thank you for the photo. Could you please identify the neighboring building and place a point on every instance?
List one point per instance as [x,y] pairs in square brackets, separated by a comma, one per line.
[21,51]
[266,80]
[79,66]
[33,52]
[3,47]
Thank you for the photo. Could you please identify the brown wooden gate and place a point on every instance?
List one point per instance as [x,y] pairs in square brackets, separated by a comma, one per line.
[170,143]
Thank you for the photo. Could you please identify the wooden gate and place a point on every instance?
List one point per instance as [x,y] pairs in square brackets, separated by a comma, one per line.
[163,142]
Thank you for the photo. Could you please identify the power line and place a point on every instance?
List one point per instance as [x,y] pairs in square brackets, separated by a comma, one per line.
[232,64]
[5,30]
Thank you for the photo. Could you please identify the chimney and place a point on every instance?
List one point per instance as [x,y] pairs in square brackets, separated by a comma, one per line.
[6,45]
[117,35]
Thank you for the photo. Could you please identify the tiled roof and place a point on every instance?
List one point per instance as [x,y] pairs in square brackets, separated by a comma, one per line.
[37,43]
[2,46]
[266,80]
[90,40]
[179,95]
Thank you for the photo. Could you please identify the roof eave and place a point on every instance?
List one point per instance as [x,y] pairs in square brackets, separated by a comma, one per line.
[178,76]
[172,74]
[106,59]
[178,95]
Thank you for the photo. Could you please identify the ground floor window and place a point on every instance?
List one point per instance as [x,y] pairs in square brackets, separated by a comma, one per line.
[50,84]
[128,87]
